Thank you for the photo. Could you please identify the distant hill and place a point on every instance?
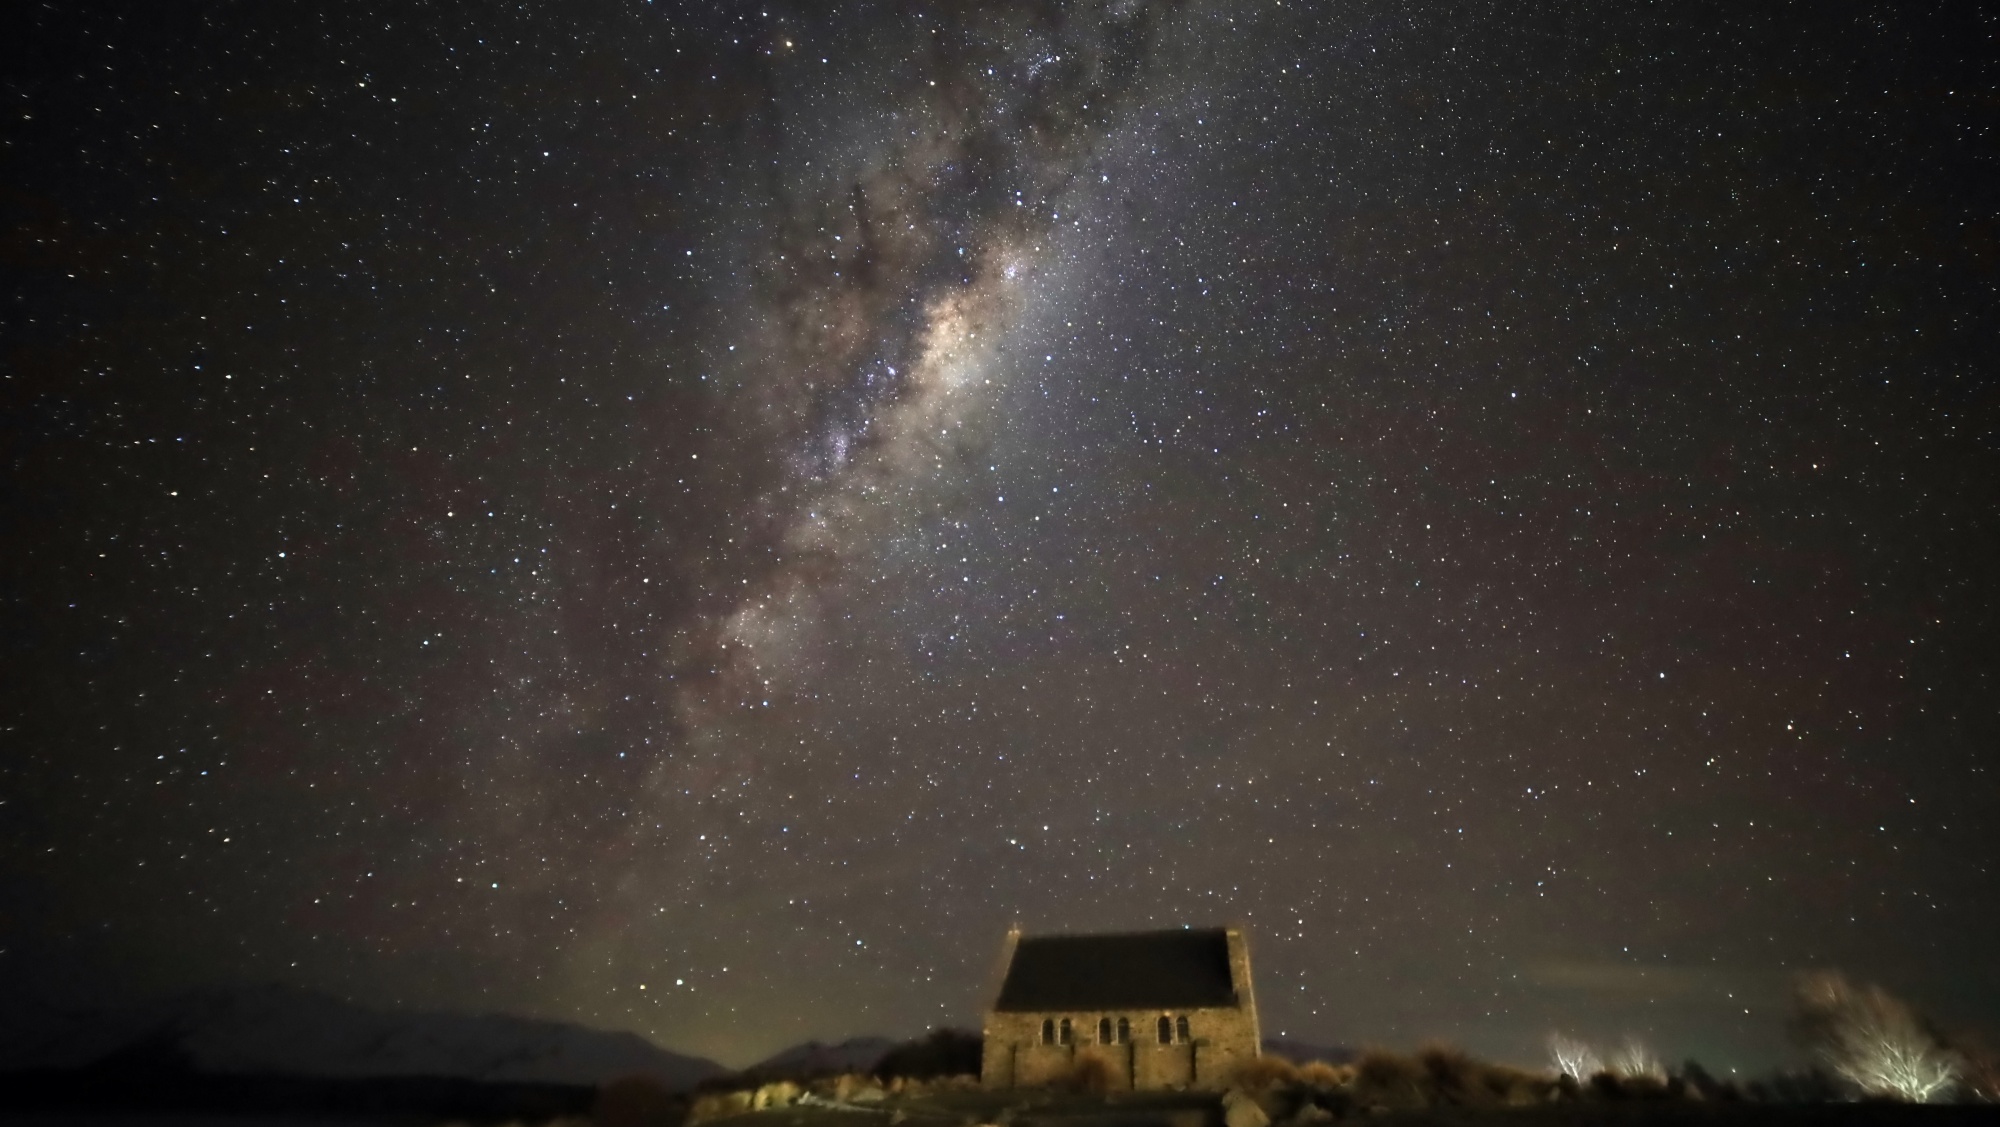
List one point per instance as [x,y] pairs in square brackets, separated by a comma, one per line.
[1298,1052]
[817,1058]
[275,1030]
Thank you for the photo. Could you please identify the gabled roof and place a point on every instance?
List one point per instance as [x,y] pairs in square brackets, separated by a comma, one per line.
[1165,970]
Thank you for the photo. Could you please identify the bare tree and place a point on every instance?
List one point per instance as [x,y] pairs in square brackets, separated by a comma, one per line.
[1633,1060]
[1573,1058]
[1873,1040]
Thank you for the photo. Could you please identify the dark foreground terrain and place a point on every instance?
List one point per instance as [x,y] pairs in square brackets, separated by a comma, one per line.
[1024,1109]
[1683,1113]
[1015,1110]
[78,1095]
[68,1097]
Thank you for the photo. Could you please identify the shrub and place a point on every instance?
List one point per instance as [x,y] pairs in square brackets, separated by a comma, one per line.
[1573,1058]
[1454,1078]
[1450,1076]
[1610,1085]
[845,1086]
[1384,1079]
[1339,1102]
[1982,1067]
[778,1093]
[1872,1040]
[1259,1075]
[1634,1060]
[718,1105]
[1698,1083]
[1516,1087]
[636,1101]
[1323,1076]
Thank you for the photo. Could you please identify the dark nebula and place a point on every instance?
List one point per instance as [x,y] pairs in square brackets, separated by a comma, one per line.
[694,518]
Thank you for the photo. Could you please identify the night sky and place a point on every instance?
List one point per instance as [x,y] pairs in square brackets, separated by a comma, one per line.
[694,518]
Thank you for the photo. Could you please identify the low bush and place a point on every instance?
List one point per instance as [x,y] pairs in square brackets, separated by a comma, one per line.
[1452,1078]
[718,1105]
[1322,1076]
[1616,1087]
[1260,1075]
[1388,1080]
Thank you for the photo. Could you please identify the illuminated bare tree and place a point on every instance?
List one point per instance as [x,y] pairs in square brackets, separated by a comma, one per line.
[1634,1060]
[1573,1058]
[1871,1039]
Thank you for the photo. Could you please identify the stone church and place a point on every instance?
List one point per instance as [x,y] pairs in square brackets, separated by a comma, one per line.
[1160,1009]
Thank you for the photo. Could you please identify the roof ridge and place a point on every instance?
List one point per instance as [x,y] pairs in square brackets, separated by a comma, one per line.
[1027,937]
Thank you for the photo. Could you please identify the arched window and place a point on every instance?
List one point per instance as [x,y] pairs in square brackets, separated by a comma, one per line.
[1166,1030]
[1063,1030]
[1049,1030]
[1124,1031]
[1180,1028]
[1104,1031]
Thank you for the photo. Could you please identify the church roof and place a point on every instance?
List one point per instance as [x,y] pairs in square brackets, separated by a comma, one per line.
[1185,969]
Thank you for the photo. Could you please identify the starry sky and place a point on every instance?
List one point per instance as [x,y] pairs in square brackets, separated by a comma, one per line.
[695,517]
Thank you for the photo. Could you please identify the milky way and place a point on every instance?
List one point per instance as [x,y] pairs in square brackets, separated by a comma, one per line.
[695,518]
[873,357]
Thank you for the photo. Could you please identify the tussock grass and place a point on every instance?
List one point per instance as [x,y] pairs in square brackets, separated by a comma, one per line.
[719,1105]
[844,1087]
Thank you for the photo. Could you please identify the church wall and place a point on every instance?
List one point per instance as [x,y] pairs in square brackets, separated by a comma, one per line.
[1219,1039]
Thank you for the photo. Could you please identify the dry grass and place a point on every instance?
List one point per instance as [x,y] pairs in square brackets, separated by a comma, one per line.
[718,1105]
[843,1087]
[921,1086]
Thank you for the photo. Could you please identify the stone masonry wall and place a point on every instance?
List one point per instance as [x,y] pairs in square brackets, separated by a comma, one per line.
[1217,1040]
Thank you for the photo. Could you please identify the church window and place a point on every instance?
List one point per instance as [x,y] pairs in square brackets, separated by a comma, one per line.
[1049,1030]
[1104,1031]
[1166,1031]
[1181,1028]
[1063,1031]
[1124,1031]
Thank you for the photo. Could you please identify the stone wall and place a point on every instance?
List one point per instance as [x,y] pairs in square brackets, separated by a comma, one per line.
[1217,1040]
